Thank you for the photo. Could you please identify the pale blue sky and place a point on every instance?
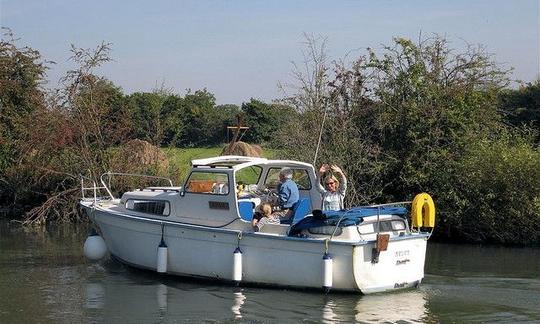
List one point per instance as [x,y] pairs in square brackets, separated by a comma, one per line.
[242,49]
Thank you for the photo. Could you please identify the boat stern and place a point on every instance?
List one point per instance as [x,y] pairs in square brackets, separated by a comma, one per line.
[400,266]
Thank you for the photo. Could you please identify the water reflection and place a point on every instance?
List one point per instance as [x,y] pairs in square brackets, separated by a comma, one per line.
[94,296]
[47,271]
[239,299]
[409,306]
[161,294]
[146,297]
[328,314]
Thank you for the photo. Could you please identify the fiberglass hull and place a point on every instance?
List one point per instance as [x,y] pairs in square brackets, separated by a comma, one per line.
[269,259]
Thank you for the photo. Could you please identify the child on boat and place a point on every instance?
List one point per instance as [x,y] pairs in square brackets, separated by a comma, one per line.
[263,216]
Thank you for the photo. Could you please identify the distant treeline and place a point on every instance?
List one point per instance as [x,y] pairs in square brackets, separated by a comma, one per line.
[192,120]
[412,118]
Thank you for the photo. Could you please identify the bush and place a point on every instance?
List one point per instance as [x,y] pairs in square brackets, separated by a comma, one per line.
[496,196]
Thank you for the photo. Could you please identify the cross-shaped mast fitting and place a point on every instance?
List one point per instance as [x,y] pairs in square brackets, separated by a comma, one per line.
[236,130]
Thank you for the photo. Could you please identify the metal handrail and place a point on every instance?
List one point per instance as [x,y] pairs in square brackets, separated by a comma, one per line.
[127,174]
[94,187]
[391,204]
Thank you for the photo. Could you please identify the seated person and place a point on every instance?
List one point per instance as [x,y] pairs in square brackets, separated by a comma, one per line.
[288,194]
[263,216]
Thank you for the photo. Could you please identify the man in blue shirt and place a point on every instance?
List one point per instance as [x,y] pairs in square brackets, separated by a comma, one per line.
[288,194]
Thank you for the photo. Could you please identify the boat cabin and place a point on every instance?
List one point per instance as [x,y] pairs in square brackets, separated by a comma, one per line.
[219,190]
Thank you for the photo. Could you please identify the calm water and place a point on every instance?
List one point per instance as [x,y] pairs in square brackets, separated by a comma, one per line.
[45,279]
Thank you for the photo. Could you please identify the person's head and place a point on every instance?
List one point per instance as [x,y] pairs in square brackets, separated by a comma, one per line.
[285,173]
[331,183]
[266,209]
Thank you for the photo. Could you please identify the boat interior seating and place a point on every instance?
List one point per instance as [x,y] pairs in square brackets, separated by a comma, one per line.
[300,209]
[246,210]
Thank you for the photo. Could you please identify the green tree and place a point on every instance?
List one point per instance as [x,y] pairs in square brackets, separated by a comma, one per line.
[224,116]
[521,107]
[147,115]
[198,118]
[496,195]
[22,72]
[264,120]
[171,118]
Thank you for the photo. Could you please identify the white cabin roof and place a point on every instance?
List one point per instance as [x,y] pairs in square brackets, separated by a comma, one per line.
[238,162]
[228,160]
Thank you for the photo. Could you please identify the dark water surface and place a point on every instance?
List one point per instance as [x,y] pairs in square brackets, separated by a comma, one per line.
[44,278]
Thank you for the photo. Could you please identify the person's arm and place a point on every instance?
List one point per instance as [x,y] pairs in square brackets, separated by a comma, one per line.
[343,185]
[322,170]
[342,181]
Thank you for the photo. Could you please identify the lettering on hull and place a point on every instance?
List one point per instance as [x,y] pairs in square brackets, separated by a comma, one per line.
[400,285]
[402,253]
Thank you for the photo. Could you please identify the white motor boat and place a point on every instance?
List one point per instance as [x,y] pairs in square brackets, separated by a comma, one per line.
[203,229]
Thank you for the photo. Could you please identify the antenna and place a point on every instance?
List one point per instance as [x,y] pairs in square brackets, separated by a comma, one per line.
[320,136]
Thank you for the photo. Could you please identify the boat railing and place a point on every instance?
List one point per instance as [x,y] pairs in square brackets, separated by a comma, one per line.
[392,204]
[108,176]
[378,206]
[94,188]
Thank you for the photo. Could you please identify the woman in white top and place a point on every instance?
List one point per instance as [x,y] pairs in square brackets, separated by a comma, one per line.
[333,192]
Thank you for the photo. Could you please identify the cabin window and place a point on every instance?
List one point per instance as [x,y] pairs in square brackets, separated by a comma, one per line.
[248,176]
[385,226]
[208,182]
[300,177]
[156,207]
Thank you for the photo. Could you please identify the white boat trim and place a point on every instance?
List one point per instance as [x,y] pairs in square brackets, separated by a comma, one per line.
[243,233]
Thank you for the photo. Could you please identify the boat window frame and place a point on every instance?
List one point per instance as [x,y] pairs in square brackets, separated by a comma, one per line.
[390,220]
[167,204]
[293,168]
[261,171]
[186,184]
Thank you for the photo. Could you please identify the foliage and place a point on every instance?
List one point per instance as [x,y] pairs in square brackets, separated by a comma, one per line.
[498,199]
[406,121]
[147,119]
[172,120]
[264,120]
[22,73]
[522,107]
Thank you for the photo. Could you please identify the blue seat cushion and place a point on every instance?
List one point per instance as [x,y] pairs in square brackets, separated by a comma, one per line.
[300,209]
[245,208]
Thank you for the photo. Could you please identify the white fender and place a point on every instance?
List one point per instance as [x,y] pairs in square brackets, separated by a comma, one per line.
[94,247]
[237,265]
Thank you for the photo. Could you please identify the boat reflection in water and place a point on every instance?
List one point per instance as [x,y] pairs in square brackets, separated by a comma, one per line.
[159,299]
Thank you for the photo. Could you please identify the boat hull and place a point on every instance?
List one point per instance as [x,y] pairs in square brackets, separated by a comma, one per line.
[200,251]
